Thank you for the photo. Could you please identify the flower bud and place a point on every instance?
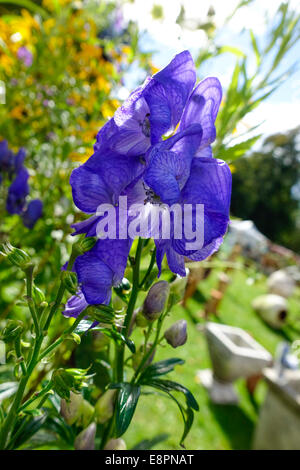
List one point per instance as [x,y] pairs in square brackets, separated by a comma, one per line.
[76,410]
[70,282]
[16,256]
[67,380]
[118,304]
[85,244]
[12,331]
[104,408]
[177,288]
[38,295]
[176,335]
[140,320]
[123,289]
[115,444]
[71,410]
[101,313]
[156,299]
[86,439]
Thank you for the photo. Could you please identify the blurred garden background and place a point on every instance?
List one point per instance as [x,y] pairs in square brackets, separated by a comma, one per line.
[65,67]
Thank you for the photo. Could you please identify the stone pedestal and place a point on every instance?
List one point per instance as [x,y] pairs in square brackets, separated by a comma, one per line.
[278,427]
[234,353]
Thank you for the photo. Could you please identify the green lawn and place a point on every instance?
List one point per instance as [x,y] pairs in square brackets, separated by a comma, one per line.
[215,426]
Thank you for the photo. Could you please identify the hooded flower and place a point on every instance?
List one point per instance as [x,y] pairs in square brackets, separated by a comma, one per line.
[17,192]
[149,112]
[132,159]
[12,169]
[32,213]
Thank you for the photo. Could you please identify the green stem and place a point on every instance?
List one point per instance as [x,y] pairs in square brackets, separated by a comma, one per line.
[19,355]
[34,359]
[148,354]
[12,414]
[151,264]
[36,396]
[61,289]
[30,302]
[130,309]
[55,306]
[65,334]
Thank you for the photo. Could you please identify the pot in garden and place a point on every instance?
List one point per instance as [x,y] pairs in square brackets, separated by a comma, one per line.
[272,308]
[281,283]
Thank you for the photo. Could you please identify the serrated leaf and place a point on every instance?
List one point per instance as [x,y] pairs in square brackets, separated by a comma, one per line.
[126,403]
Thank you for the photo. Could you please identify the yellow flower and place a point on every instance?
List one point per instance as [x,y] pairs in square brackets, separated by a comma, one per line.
[6,63]
[80,157]
[17,112]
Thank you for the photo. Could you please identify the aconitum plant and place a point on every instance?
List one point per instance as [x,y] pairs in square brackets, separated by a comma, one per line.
[155,196]
[14,184]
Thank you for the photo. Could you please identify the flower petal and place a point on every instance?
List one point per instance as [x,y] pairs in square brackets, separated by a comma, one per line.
[202,108]
[17,192]
[167,94]
[166,174]
[32,213]
[75,305]
[209,184]
[94,277]
[102,178]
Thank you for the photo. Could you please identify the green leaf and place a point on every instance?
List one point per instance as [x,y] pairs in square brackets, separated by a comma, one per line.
[159,368]
[255,48]
[233,50]
[187,425]
[147,444]
[112,333]
[236,151]
[7,389]
[170,385]
[29,5]
[119,338]
[126,403]
[27,427]
[187,415]
[83,326]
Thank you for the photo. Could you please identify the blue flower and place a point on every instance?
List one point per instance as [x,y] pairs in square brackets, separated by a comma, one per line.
[13,169]
[75,305]
[17,192]
[6,157]
[32,213]
[133,158]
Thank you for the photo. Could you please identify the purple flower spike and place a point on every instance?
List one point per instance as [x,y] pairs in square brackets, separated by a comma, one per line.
[17,192]
[133,158]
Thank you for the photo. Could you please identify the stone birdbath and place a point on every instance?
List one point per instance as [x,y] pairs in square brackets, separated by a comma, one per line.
[234,354]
